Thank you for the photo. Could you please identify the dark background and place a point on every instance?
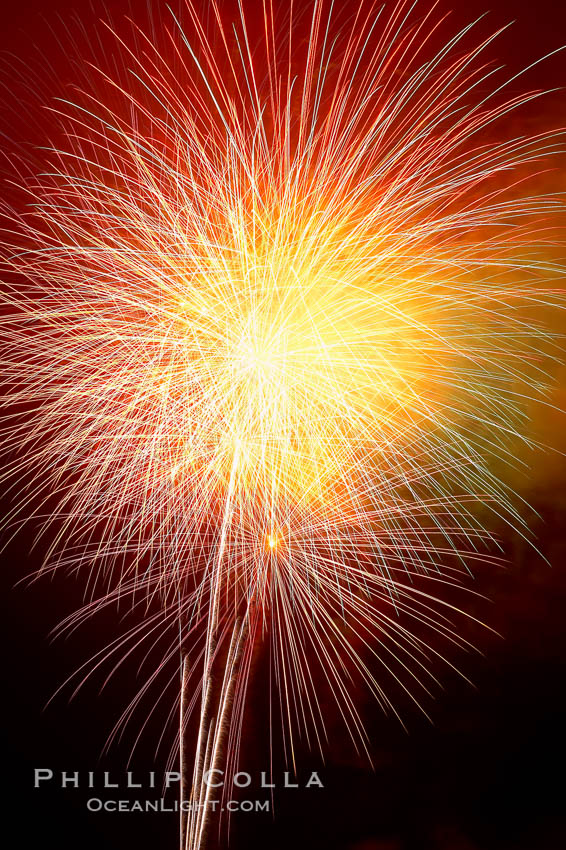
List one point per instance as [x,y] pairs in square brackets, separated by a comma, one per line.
[486,774]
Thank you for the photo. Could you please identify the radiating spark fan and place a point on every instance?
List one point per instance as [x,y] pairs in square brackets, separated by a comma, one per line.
[274,322]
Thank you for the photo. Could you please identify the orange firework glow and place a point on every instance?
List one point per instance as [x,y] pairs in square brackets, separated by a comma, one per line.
[275,321]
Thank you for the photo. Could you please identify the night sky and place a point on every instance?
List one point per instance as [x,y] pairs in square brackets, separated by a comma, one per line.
[486,772]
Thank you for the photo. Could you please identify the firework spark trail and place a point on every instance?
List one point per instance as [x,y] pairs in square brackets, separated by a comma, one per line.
[281,317]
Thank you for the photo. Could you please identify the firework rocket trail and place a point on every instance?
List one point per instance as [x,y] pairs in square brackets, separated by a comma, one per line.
[276,318]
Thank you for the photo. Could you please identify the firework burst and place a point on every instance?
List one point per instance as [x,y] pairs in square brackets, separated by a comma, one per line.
[274,324]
